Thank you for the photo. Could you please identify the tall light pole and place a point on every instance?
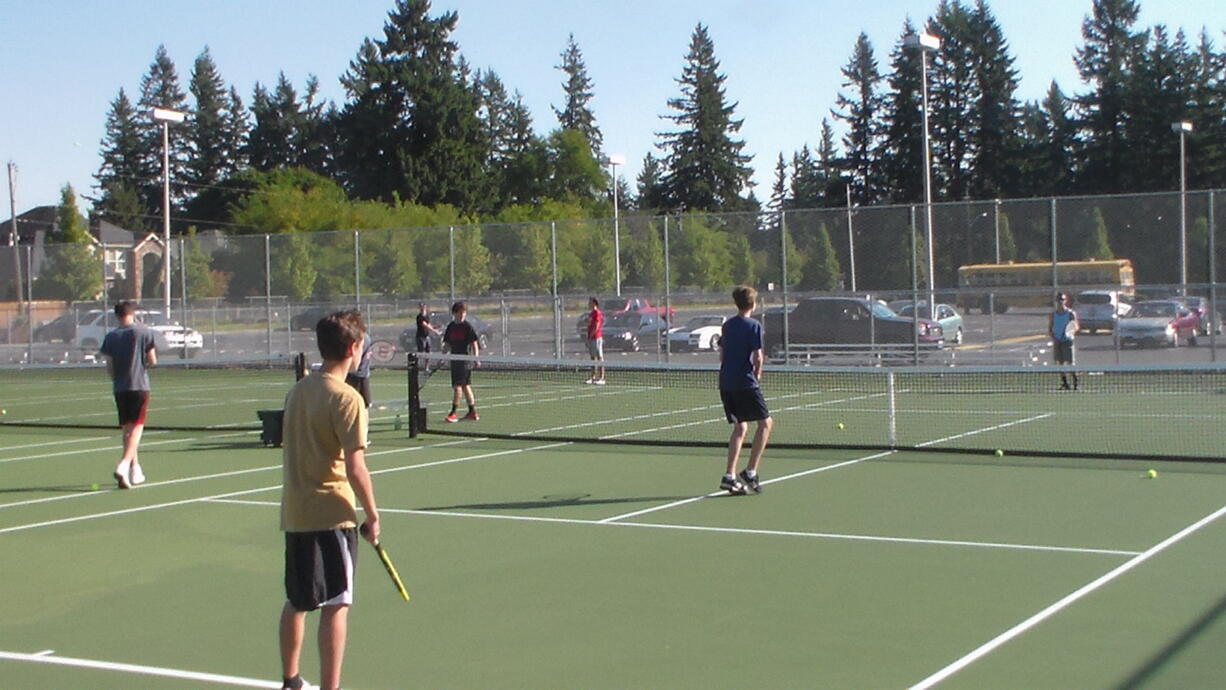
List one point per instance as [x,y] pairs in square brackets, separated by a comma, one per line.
[851,243]
[926,42]
[166,117]
[1182,129]
[615,160]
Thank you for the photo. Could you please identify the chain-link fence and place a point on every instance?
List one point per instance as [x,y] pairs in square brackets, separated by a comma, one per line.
[836,285]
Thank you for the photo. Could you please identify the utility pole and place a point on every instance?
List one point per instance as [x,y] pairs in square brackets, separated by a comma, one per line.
[14,238]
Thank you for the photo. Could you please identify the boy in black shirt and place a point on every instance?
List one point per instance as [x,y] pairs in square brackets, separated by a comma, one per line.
[461,338]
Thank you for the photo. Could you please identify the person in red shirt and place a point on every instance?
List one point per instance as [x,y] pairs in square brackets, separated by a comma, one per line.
[595,340]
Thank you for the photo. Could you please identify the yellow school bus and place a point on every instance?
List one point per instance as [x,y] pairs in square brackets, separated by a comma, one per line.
[1021,284]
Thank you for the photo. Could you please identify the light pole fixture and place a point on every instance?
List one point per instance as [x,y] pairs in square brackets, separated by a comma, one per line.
[166,116]
[1182,129]
[926,42]
[615,160]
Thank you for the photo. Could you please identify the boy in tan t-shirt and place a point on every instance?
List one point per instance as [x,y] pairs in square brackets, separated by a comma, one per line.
[324,470]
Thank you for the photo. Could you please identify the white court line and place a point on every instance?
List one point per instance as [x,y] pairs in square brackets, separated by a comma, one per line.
[115,446]
[1060,605]
[222,475]
[825,468]
[203,499]
[57,443]
[713,494]
[730,530]
[46,657]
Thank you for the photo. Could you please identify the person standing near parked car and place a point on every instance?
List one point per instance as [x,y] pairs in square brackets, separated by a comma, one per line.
[595,340]
[424,328]
[1062,325]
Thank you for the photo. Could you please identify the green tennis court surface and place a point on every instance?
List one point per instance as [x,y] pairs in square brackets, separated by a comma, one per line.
[536,564]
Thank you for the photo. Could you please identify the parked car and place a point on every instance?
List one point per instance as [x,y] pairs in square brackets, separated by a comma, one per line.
[1200,307]
[847,321]
[168,337]
[699,333]
[408,337]
[62,328]
[947,316]
[1098,310]
[1165,322]
[306,320]
[625,330]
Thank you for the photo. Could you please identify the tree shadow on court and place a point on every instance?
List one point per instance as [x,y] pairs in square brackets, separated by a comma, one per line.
[246,444]
[559,501]
[1145,673]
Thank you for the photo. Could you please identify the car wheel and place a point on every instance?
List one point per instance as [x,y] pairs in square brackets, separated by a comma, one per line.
[483,341]
[1192,339]
[715,342]
[958,336]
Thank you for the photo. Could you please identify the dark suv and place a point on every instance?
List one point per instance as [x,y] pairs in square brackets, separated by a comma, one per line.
[855,322]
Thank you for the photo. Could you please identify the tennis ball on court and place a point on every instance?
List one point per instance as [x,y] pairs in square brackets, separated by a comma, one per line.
[840,426]
[94,487]
[4,411]
[1000,453]
[1152,474]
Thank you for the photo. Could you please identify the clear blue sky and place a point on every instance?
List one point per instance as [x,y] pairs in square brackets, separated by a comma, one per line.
[63,61]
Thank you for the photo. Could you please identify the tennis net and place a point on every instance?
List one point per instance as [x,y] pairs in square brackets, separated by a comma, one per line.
[1128,412]
[187,394]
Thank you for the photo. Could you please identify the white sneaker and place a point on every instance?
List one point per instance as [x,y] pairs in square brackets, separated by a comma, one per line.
[590,381]
[137,476]
[599,382]
[121,474]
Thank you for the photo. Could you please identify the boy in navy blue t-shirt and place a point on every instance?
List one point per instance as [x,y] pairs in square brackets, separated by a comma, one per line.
[740,374]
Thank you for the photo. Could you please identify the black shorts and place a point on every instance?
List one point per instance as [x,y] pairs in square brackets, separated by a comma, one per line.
[132,406]
[361,384]
[319,568]
[461,373]
[423,344]
[1063,350]
[744,405]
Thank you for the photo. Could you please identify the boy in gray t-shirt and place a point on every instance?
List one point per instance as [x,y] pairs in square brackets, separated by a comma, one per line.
[130,351]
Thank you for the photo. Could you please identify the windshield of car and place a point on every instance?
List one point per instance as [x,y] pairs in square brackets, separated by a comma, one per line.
[1093,298]
[624,320]
[700,321]
[881,311]
[1155,309]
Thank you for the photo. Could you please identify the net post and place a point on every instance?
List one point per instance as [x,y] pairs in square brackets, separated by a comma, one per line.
[891,425]
[415,418]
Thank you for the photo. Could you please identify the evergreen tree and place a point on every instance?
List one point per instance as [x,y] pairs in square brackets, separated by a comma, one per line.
[996,148]
[901,160]
[651,192]
[1208,87]
[411,127]
[160,89]
[316,130]
[1097,246]
[952,94]
[575,174]
[1158,93]
[73,269]
[808,186]
[527,165]
[276,137]
[705,169]
[1058,147]
[861,112]
[575,113]
[822,265]
[779,189]
[120,175]
[1104,62]
[211,141]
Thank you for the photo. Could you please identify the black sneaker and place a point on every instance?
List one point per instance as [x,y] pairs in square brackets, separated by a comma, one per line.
[753,483]
[733,486]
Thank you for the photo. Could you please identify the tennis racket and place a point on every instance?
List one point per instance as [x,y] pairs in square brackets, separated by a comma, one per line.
[387,565]
[1070,330]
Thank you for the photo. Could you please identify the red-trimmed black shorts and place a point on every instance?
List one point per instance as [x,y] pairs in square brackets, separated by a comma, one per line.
[132,406]
[319,568]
